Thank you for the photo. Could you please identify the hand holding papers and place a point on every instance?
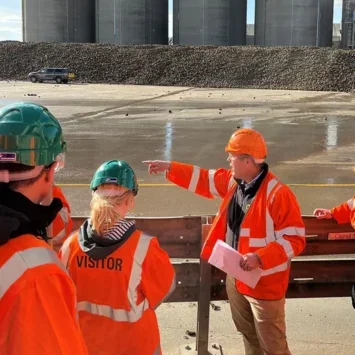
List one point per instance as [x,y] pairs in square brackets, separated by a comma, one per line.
[227,259]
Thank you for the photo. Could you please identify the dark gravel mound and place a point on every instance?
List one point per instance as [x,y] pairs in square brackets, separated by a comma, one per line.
[297,68]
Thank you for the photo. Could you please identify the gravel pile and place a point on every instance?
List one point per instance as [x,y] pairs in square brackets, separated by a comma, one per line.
[297,68]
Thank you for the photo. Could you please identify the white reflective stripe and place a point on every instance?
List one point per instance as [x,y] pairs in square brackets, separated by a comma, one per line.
[64,215]
[257,242]
[244,232]
[65,251]
[231,183]
[118,315]
[287,247]
[22,261]
[272,183]
[270,230]
[261,242]
[194,178]
[212,185]
[271,199]
[351,203]
[291,231]
[136,272]
[274,270]
[269,223]
[59,236]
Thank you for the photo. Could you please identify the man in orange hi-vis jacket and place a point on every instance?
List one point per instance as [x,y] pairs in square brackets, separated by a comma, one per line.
[38,314]
[260,217]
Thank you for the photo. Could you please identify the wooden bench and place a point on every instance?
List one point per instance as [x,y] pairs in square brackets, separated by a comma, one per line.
[319,272]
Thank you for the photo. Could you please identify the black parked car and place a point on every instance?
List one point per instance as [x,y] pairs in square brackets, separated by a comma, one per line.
[59,75]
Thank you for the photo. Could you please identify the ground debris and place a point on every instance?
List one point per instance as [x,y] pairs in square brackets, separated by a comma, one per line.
[190,333]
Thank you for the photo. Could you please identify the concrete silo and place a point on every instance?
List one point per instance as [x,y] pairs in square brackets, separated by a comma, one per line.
[294,22]
[347,24]
[132,21]
[58,20]
[209,22]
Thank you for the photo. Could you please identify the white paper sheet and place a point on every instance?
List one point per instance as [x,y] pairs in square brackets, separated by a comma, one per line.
[227,259]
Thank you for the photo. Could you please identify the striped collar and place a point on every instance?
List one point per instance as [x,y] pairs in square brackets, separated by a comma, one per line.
[121,229]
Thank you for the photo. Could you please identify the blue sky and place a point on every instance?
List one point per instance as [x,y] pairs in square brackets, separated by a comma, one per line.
[11,23]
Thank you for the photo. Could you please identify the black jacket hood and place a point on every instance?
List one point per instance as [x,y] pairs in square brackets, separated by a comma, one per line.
[19,215]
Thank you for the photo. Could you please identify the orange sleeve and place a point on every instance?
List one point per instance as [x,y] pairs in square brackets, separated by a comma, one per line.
[204,182]
[289,230]
[63,223]
[342,213]
[158,275]
[42,319]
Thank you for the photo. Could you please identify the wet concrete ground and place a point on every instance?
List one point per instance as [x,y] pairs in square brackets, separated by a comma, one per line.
[310,139]
[309,135]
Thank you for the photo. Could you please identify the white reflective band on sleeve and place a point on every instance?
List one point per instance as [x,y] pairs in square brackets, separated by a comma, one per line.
[244,232]
[194,178]
[59,236]
[22,261]
[260,242]
[276,269]
[270,230]
[271,199]
[212,185]
[272,183]
[117,315]
[351,203]
[65,251]
[287,247]
[291,231]
[64,215]
[136,272]
[136,311]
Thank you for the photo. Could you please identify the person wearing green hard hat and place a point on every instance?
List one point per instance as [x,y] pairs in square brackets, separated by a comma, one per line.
[121,274]
[36,292]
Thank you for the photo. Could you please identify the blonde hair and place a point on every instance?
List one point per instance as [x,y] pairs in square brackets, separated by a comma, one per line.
[105,200]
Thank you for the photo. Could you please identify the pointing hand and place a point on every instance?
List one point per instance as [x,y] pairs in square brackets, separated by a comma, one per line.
[156,166]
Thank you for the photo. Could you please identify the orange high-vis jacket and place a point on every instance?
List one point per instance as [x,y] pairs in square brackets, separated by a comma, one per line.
[118,295]
[62,224]
[272,226]
[37,301]
[345,213]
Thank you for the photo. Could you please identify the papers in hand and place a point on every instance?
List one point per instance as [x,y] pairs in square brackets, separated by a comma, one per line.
[227,259]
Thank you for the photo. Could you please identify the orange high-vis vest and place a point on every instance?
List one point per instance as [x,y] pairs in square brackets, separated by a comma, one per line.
[118,295]
[62,224]
[37,301]
[272,226]
[345,213]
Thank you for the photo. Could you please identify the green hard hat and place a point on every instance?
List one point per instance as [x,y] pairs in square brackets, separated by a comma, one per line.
[115,172]
[29,135]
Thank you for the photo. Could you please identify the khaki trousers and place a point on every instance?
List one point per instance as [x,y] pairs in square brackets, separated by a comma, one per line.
[262,323]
